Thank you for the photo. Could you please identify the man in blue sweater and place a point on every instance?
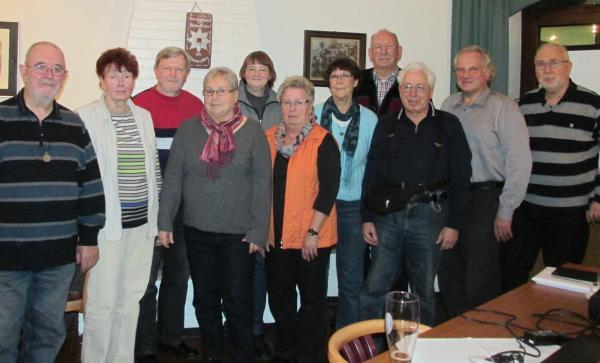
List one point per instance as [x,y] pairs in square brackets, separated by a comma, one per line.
[424,152]
[51,209]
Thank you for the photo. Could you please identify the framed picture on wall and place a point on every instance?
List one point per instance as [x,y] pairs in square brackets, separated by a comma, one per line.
[9,55]
[322,47]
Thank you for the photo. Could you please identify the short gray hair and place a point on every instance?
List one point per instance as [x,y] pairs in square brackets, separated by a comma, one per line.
[223,72]
[297,82]
[486,60]
[561,47]
[418,66]
[43,42]
[384,30]
[171,52]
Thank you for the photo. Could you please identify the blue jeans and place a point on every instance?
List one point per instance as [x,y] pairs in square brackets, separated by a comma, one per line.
[163,321]
[407,236]
[34,302]
[223,276]
[350,258]
[260,293]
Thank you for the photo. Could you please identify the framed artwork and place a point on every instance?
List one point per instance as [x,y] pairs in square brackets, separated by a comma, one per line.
[322,47]
[9,55]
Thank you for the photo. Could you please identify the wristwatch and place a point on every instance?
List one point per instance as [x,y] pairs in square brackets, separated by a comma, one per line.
[313,232]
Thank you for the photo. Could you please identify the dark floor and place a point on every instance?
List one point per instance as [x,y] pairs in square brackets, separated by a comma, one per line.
[71,350]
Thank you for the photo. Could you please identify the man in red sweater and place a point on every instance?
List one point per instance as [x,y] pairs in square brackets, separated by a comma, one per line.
[169,105]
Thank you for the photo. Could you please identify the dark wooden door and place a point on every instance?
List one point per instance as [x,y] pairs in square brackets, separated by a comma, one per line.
[535,18]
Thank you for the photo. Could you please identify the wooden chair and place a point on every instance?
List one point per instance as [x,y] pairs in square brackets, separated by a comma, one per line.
[75,306]
[353,343]
[77,303]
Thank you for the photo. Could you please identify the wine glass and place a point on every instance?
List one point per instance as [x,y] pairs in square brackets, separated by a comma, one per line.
[402,318]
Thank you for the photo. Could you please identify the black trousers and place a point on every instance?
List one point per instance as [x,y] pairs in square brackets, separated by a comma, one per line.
[470,273]
[561,233]
[300,334]
[222,272]
[162,321]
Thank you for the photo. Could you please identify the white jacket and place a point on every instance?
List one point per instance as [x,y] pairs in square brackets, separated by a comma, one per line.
[97,120]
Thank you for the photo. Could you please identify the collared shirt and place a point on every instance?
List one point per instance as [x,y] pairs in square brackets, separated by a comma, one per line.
[498,138]
[564,147]
[384,85]
[412,149]
[51,194]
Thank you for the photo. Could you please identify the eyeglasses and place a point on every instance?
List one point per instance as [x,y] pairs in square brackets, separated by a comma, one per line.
[341,76]
[42,68]
[262,69]
[419,87]
[384,48]
[297,103]
[219,91]
[553,63]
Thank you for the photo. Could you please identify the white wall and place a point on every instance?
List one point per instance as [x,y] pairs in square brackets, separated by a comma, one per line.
[585,68]
[514,55]
[85,28]
[82,28]
[423,29]
[159,23]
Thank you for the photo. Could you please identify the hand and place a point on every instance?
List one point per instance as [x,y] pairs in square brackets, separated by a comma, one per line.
[309,247]
[165,238]
[370,234]
[253,247]
[87,257]
[447,238]
[503,229]
[593,213]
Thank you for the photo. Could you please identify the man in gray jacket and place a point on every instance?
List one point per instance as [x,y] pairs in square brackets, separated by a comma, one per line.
[470,273]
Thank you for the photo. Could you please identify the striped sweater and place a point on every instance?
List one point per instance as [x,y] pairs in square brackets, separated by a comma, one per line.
[564,147]
[51,194]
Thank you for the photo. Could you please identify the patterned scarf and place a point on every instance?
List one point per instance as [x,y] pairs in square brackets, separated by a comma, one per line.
[350,137]
[288,150]
[219,148]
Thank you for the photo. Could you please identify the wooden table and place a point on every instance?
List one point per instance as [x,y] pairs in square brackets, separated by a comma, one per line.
[521,302]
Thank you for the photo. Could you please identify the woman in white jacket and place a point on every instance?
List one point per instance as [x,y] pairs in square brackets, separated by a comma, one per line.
[123,137]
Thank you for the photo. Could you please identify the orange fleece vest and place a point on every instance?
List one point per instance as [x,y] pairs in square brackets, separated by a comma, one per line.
[302,187]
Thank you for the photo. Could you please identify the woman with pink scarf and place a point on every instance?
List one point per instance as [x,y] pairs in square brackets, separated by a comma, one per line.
[220,171]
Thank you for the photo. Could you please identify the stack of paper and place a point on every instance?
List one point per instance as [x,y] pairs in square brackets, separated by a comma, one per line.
[470,350]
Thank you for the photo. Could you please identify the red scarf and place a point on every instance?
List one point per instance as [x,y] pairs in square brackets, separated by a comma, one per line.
[219,147]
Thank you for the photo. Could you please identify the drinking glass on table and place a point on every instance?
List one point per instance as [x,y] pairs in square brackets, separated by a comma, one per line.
[402,318]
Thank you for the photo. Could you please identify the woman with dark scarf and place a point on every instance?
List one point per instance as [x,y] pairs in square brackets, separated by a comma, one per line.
[306,172]
[220,169]
[352,127]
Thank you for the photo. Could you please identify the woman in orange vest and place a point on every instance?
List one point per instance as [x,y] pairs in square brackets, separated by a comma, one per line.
[306,176]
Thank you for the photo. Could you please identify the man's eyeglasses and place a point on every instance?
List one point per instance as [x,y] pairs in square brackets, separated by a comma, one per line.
[341,77]
[297,103]
[219,91]
[553,63]
[42,68]
[379,49]
[419,87]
